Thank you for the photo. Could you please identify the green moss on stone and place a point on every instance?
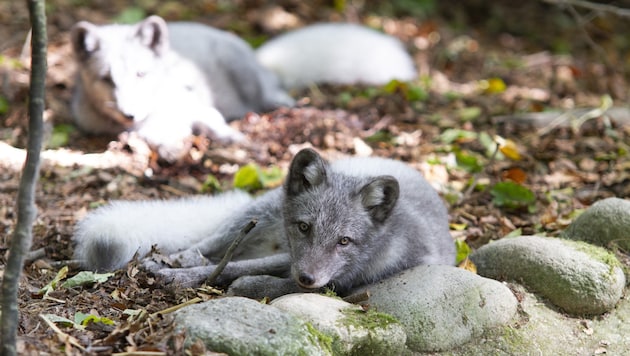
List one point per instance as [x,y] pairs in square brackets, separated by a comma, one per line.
[321,339]
[598,253]
[367,319]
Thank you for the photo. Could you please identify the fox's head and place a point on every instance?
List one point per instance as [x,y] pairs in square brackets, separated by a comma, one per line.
[332,222]
[121,67]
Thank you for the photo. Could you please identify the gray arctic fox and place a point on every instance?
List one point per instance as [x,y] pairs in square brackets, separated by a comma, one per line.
[165,80]
[340,225]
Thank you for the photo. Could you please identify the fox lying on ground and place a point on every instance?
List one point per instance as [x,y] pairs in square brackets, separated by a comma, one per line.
[165,80]
[340,225]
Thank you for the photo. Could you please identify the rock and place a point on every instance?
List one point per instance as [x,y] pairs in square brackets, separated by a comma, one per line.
[543,331]
[606,223]
[442,307]
[578,277]
[353,330]
[241,326]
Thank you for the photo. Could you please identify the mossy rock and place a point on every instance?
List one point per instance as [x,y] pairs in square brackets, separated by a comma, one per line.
[606,223]
[580,278]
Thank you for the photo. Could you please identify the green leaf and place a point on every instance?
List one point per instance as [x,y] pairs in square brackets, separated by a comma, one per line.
[247,178]
[60,135]
[416,93]
[380,136]
[252,177]
[462,249]
[211,184]
[469,113]
[452,135]
[131,15]
[392,86]
[515,233]
[86,277]
[512,195]
[468,162]
[270,177]
[63,272]
[65,322]
[84,319]
[4,105]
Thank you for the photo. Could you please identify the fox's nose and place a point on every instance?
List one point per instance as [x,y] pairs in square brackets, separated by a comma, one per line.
[128,117]
[306,280]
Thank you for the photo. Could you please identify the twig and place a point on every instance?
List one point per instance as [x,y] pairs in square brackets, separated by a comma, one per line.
[619,11]
[34,255]
[589,40]
[358,297]
[230,251]
[27,211]
[176,307]
[475,176]
[63,337]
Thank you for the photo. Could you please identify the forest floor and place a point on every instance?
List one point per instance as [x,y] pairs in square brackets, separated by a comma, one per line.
[508,76]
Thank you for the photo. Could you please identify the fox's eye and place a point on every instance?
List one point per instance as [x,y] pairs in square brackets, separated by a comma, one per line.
[303,227]
[344,241]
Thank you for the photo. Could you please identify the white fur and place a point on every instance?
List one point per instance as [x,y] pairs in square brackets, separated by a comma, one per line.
[133,226]
[336,53]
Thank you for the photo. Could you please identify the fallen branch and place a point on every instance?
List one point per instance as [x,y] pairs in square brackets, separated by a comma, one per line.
[63,337]
[176,307]
[13,158]
[595,6]
[230,251]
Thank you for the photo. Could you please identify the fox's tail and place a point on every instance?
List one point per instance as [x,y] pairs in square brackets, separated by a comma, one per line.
[108,237]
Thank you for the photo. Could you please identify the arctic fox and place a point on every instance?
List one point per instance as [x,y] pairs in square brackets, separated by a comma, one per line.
[164,80]
[340,225]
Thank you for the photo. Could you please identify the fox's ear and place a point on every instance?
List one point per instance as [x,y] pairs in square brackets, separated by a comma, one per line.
[308,169]
[85,39]
[153,33]
[379,197]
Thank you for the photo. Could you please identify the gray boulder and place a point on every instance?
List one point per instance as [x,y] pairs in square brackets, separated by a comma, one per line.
[442,307]
[578,277]
[353,330]
[541,330]
[606,223]
[241,326]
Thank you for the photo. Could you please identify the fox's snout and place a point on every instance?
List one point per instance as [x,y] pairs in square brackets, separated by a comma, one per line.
[311,279]
[306,280]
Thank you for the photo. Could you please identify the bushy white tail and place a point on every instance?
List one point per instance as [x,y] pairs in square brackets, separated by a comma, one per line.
[108,237]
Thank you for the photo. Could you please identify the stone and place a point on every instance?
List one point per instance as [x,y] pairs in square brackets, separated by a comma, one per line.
[577,277]
[443,307]
[606,223]
[241,326]
[353,330]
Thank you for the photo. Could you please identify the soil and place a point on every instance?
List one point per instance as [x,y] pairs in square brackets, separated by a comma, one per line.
[489,76]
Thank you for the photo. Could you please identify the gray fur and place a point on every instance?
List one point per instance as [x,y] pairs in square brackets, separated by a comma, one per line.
[343,225]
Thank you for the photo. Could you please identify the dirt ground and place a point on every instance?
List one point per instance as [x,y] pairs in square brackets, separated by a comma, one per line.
[490,76]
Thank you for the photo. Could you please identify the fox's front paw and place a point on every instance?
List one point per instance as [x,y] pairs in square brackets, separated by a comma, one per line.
[150,265]
[183,277]
[258,287]
[187,258]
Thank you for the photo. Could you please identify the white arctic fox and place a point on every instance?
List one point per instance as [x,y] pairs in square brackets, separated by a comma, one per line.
[163,80]
[342,225]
